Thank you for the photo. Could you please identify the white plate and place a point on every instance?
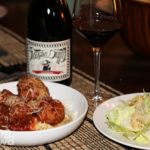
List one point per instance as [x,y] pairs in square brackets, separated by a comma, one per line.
[69,97]
[99,119]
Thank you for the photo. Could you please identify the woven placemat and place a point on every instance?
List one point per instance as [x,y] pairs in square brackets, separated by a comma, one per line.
[12,48]
[86,137]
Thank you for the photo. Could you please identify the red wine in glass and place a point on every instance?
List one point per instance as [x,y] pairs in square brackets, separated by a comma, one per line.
[101,31]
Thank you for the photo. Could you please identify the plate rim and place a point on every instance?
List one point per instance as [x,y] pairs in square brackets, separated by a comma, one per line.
[108,136]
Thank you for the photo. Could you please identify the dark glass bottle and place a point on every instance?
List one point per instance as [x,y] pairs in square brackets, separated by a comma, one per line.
[49,41]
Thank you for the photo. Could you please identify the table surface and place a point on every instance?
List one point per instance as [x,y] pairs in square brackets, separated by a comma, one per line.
[120,67]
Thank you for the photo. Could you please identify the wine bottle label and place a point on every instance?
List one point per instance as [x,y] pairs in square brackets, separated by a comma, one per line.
[48,60]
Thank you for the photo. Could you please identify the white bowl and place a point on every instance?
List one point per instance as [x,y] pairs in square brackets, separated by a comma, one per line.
[71,98]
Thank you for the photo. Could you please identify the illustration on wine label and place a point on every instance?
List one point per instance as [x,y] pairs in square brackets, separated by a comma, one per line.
[48,60]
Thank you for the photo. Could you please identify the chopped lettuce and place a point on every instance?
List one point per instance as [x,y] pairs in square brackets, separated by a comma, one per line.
[131,135]
[147,102]
[126,132]
[147,106]
[113,115]
[142,139]
[126,103]
[147,135]
[121,115]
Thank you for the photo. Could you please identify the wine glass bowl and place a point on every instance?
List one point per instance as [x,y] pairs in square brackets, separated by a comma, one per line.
[97,21]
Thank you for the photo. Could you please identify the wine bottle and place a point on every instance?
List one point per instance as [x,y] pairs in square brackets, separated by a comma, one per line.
[49,41]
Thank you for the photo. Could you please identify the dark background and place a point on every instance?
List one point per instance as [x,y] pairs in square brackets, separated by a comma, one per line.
[120,67]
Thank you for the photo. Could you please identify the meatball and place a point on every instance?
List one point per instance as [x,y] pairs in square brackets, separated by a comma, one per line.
[8,98]
[31,88]
[52,113]
[3,110]
[38,105]
[20,113]
[3,117]
[4,94]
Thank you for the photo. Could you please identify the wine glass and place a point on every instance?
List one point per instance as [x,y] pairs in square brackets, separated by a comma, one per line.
[97,21]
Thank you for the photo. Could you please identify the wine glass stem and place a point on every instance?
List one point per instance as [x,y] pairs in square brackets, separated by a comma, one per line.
[97,53]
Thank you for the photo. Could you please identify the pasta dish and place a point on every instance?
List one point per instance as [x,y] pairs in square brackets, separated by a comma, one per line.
[32,108]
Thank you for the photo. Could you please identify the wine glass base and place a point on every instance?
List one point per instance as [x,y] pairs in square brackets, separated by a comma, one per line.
[94,103]
[97,98]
